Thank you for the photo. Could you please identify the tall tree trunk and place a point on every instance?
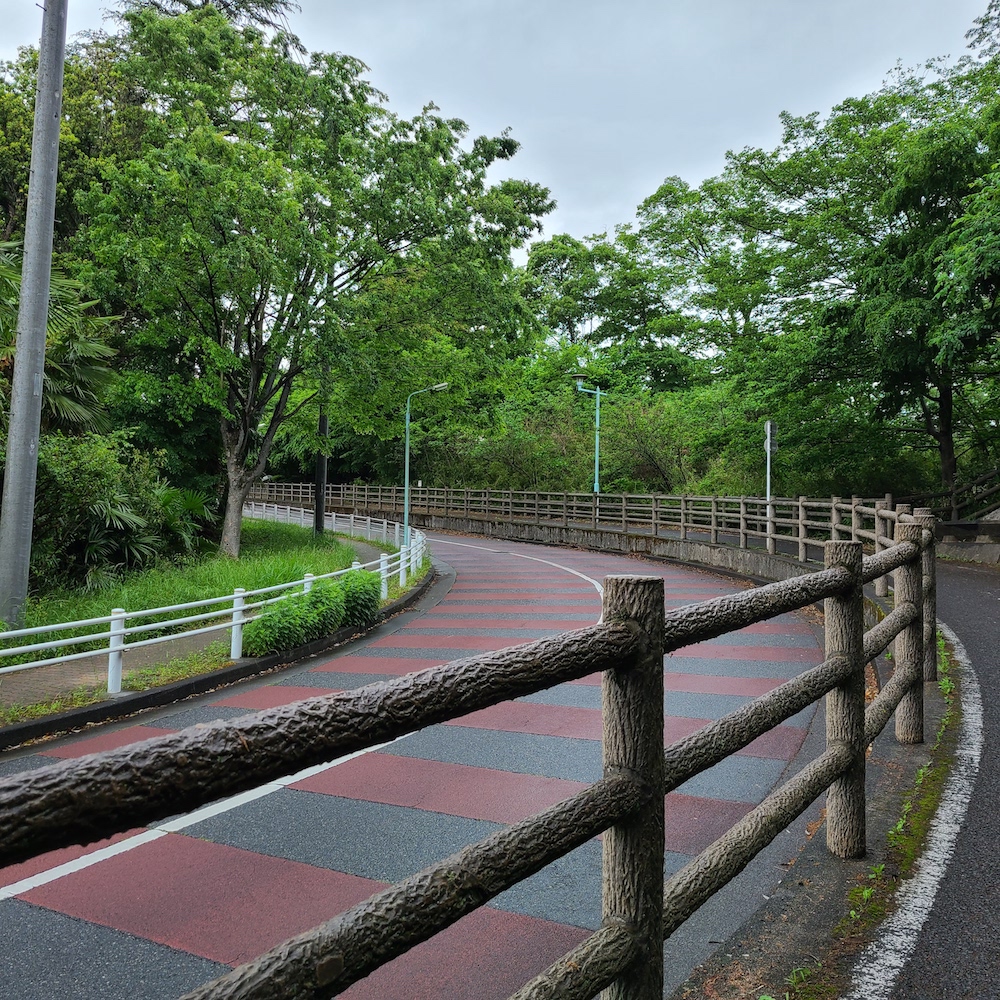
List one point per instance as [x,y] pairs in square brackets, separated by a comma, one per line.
[946,438]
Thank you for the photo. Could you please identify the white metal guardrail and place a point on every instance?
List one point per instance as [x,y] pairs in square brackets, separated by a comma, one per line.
[122,630]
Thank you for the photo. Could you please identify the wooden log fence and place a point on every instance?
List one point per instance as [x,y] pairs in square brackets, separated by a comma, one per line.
[85,799]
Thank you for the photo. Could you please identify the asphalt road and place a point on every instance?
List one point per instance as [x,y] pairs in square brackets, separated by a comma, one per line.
[957,954]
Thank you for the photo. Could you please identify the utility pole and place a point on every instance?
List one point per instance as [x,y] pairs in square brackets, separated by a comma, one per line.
[21,470]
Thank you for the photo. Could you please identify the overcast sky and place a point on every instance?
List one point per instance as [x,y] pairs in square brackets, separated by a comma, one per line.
[608,98]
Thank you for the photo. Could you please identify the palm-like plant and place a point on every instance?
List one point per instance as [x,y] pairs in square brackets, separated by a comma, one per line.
[76,373]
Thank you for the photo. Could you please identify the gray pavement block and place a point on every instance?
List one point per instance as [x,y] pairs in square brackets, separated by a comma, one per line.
[382,842]
[523,753]
[48,954]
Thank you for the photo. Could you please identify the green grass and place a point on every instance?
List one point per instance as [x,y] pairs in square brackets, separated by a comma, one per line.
[271,553]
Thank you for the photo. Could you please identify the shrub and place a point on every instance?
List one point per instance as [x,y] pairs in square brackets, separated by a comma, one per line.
[328,600]
[283,626]
[353,600]
[362,597]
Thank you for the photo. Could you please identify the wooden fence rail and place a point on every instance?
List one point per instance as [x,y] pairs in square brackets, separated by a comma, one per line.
[85,799]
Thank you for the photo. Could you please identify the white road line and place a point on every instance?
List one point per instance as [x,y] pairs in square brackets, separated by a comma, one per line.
[175,825]
[518,555]
[881,962]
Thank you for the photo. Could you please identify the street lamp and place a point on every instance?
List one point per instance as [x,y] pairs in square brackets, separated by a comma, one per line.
[579,376]
[406,459]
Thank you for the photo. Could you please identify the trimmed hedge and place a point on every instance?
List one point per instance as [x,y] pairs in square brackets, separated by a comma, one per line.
[354,599]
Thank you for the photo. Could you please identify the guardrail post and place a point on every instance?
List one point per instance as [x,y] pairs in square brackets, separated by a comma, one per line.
[236,632]
[633,741]
[845,706]
[383,572]
[743,522]
[356,564]
[403,554]
[683,516]
[714,535]
[881,528]
[771,541]
[803,530]
[116,641]
[834,519]
[926,519]
[395,534]
[909,652]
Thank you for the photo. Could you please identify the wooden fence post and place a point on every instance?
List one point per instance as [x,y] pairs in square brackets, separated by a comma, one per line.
[881,528]
[855,517]
[743,522]
[834,519]
[926,519]
[770,528]
[683,516]
[845,706]
[909,652]
[632,700]
[803,530]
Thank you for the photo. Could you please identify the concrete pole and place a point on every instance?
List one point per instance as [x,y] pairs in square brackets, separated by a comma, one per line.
[17,510]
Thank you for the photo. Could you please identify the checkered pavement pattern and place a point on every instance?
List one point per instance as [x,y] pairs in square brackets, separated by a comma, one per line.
[165,910]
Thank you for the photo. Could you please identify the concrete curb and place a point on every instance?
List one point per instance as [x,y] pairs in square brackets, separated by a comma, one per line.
[129,704]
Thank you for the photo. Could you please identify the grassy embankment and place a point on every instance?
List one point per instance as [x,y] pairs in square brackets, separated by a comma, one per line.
[271,553]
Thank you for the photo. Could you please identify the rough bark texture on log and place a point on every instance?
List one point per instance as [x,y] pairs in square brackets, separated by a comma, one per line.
[708,619]
[845,707]
[587,969]
[926,519]
[878,637]
[632,700]
[722,861]
[909,643]
[324,961]
[719,739]
[82,800]
[876,566]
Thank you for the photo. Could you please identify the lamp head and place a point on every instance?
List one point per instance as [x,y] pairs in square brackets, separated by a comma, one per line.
[439,386]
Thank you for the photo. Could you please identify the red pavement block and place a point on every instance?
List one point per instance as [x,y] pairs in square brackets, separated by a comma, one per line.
[473,643]
[271,696]
[208,899]
[487,955]
[749,687]
[777,654]
[564,625]
[692,823]
[541,720]
[395,665]
[455,789]
[781,743]
[111,740]
[52,859]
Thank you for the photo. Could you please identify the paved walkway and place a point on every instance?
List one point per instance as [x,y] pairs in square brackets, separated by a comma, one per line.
[165,909]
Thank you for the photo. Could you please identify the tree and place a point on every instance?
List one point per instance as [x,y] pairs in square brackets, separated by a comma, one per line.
[862,207]
[269,195]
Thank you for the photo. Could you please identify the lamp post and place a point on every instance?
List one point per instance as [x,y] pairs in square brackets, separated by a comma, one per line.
[406,459]
[596,393]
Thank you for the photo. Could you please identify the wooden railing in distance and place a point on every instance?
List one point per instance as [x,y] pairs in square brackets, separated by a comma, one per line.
[84,799]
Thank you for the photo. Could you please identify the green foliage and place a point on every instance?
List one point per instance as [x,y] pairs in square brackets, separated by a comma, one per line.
[77,373]
[101,509]
[329,602]
[362,598]
[286,625]
[352,600]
